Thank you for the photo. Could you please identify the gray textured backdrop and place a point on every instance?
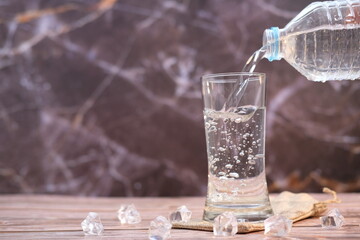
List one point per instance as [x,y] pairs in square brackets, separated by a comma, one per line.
[103,98]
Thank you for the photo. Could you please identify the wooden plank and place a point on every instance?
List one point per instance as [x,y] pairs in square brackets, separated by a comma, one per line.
[59,217]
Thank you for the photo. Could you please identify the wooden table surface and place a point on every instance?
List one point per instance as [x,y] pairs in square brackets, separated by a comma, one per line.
[59,217]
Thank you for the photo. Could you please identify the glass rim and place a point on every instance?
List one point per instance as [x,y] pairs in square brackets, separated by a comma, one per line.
[233,74]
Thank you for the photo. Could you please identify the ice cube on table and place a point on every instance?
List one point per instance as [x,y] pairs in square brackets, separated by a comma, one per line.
[333,219]
[277,225]
[127,214]
[159,228]
[225,224]
[92,224]
[182,214]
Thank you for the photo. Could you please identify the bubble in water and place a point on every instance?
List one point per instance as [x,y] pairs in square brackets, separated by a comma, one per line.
[236,157]
[213,122]
[242,153]
[250,157]
[254,143]
[222,173]
[221,149]
[228,165]
[243,113]
[238,120]
[212,129]
[246,125]
[234,174]
[207,125]
[237,161]
[250,150]
[251,161]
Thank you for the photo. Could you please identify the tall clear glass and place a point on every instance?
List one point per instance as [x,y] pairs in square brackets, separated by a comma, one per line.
[236,146]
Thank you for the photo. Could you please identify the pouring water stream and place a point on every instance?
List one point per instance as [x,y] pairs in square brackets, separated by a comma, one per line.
[241,84]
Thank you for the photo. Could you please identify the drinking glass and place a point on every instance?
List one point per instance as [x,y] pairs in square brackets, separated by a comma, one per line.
[235,138]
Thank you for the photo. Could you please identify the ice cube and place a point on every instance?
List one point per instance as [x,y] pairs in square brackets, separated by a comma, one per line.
[182,214]
[127,214]
[225,224]
[277,225]
[159,228]
[92,224]
[333,219]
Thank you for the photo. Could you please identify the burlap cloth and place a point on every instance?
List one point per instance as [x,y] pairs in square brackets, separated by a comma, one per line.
[295,206]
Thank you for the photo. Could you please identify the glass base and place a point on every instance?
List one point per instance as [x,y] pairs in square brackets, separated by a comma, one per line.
[249,212]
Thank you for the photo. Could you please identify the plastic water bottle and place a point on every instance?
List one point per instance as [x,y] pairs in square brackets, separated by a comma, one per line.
[322,42]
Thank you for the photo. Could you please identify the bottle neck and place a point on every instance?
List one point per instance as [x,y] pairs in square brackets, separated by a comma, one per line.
[271,43]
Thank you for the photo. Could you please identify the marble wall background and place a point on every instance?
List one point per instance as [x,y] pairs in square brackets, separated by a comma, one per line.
[103,98]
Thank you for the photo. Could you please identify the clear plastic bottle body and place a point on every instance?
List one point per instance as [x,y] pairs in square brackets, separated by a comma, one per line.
[322,42]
